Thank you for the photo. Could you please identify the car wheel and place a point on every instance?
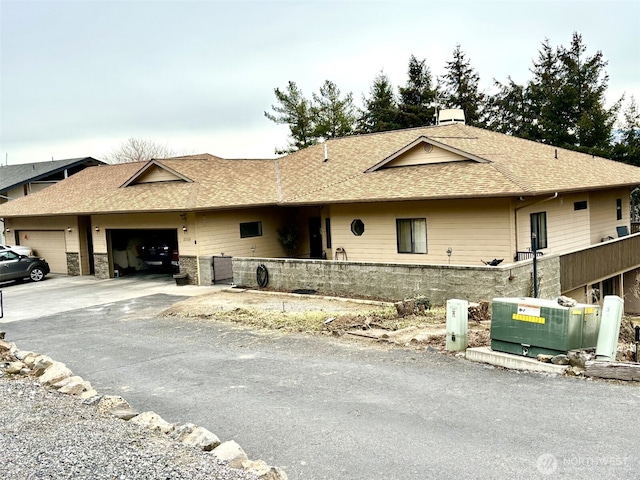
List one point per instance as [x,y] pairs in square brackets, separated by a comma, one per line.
[36,274]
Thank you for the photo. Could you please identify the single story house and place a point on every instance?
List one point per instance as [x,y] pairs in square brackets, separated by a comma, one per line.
[443,199]
[24,179]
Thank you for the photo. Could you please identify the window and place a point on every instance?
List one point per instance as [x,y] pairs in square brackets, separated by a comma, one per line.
[357,227]
[412,235]
[580,205]
[619,209]
[250,229]
[327,228]
[539,228]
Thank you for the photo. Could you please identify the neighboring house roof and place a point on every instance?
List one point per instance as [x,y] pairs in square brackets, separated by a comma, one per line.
[447,161]
[12,176]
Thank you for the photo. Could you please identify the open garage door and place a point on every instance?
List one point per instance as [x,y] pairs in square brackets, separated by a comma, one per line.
[137,251]
[49,244]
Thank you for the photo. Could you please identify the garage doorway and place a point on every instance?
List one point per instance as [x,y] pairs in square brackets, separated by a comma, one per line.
[142,251]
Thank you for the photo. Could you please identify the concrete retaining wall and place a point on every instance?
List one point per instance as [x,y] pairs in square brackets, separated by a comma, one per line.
[389,281]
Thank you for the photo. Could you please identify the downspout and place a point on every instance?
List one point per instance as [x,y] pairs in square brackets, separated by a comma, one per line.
[515,213]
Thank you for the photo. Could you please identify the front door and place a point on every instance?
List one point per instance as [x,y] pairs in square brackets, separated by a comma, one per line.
[315,237]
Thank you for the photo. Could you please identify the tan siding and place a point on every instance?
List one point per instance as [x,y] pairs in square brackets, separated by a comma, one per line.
[38,186]
[567,228]
[157,174]
[16,192]
[450,224]
[603,213]
[219,232]
[419,156]
[45,224]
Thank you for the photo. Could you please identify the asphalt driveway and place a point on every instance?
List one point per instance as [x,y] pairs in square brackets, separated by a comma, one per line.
[323,408]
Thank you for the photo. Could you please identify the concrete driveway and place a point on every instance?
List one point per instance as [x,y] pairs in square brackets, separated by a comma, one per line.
[61,293]
[323,408]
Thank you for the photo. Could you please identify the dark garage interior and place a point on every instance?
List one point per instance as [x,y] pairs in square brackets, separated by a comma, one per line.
[140,251]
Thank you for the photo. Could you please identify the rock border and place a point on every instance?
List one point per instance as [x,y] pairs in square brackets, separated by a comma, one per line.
[57,376]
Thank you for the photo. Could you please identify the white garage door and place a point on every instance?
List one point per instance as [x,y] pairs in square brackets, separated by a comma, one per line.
[49,244]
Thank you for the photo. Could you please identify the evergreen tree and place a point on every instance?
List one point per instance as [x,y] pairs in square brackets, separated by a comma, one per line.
[584,83]
[293,110]
[547,113]
[509,110]
[461,87]
[627,148]
[417,98]
[333,116]
[381,110]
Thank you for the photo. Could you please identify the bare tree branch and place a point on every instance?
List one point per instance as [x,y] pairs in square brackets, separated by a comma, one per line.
[138,150]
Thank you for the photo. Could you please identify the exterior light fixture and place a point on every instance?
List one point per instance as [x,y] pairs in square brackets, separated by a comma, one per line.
[69,229]
[184,228]
[97,229]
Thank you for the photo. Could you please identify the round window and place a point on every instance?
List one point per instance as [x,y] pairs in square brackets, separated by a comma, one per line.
[357,227]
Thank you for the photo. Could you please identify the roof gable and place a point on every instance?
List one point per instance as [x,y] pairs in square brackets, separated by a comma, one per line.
[155,172]
[424,151]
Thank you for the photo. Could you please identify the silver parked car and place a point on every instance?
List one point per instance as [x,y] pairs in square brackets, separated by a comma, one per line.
[18,249]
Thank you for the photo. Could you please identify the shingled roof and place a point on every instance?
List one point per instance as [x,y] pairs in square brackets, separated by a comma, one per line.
[358,168]
[15,175]
[499,165]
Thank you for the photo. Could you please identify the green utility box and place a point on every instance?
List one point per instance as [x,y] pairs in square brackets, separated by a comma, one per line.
[531,326]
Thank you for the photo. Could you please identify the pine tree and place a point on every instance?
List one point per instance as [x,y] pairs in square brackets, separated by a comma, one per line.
[461,87]
[293,110]
[509,110]
[584,82]
[381,110]
[627,148]
[547,112]
[417,98]
[333,116]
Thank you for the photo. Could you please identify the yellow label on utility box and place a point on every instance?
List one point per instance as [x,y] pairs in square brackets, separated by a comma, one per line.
[528,318]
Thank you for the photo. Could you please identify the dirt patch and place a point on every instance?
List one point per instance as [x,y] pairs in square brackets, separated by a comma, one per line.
[346,318]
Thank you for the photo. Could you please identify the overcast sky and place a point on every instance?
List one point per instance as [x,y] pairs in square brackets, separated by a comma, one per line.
[80,77]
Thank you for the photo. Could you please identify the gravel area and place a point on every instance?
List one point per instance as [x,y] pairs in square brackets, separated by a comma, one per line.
[48,435]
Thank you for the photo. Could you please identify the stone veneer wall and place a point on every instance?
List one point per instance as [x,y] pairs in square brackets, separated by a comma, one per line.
[101,265]
[398,281]
[73,263]
[189,265]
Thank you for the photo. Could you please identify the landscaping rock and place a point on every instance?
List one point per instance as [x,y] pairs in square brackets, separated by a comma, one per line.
[264,471]
[578,358]
[124,413]
[111,402]
[230,452]
[54,373]
[13,367]
[40,364]
[544,358]
[153,421]
[5,346]
[560,360]
[195,436]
